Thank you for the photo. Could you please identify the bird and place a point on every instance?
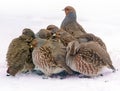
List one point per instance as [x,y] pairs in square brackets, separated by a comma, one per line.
[64,36]
[52,28]
[88,37]
[19,54]
[49,57]
[87,58]
[28,32]
[70,23]
[44,34]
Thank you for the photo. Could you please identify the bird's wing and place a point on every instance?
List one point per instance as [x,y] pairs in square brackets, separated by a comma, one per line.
[94,54]
[17,52]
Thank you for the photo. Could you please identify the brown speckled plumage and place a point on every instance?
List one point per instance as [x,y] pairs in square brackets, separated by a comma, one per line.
[19,54]
[52,28]
[87,58]
[88,37]
[64,36]
[44,34]
[50,57]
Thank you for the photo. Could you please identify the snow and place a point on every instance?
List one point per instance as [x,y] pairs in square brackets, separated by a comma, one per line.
[100,17]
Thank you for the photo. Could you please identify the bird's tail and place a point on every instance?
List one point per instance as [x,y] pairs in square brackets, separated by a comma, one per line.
[112,67]
[68,70]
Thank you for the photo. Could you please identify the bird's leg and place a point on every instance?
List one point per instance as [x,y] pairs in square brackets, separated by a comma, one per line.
[8,74]
[101,75]
[38,72]
[44,77]
[83,76]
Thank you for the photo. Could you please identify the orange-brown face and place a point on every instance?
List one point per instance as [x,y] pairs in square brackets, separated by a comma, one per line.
[69,9]
[34,43]
[59,34]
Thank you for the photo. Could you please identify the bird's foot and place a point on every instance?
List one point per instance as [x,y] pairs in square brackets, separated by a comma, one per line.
[38,72]
[101,75]
[83,76]
[115,70]
[45,77]
[8,75]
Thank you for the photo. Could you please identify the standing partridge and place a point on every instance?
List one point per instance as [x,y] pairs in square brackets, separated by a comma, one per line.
[70,23]
[50,57]
[88,58]
[19,54]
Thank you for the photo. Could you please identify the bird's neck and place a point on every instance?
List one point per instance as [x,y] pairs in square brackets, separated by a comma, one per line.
[71,17]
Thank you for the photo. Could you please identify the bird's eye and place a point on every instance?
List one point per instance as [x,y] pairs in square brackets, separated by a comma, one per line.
[67,9]
[71,32]
[49,28]
[58,34]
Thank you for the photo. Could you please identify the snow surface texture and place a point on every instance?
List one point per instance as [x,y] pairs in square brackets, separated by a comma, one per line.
[100,17]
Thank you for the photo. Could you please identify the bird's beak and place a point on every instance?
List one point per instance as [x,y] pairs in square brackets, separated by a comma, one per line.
[54,34]
[31,46]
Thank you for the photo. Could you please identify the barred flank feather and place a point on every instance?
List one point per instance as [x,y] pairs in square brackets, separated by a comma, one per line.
[43,59]
[89,59]
[84,67]
[50,57]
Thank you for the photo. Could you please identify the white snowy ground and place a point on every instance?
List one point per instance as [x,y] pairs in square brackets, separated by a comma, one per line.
[100,17]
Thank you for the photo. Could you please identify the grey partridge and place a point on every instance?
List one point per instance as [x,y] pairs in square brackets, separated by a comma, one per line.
[50,57]
[70,23]
[88,58]
[19,54]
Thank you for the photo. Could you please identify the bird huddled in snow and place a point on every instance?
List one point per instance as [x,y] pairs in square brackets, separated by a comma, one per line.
[70,23]
[19,54]
[87,58]
[49,56]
